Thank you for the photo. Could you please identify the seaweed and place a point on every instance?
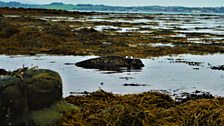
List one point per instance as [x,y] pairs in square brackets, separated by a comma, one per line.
[149,108]
[7,30]
[29,34]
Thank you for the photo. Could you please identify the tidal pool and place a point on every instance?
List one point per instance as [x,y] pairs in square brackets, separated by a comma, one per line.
[176,74]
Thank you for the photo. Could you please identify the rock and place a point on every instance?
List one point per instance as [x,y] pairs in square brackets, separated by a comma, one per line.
[69,63]
[44,88]
[193,96]
[27,90]
[111,63]
[13,103]
[221,67]
[88,30]
[132,84]
[3,72]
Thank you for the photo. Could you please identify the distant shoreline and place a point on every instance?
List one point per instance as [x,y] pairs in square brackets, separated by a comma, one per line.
[119,9]
[147,12]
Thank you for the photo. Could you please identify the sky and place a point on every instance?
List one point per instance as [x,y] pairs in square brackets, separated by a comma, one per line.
[188,3]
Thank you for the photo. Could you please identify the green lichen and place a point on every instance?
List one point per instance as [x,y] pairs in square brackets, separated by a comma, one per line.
[50,116]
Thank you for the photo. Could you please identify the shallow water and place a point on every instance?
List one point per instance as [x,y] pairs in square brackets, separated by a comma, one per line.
[180,24]
[158,45]
[161,73]
[117,29]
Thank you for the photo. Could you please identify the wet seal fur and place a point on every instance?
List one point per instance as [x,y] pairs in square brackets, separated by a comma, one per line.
[111,63]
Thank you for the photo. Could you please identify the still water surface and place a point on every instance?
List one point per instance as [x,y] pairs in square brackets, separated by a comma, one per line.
[171,73]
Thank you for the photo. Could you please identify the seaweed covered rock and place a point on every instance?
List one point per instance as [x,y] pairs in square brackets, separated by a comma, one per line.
[221,67]
[44,88]
[13,102]
[102,108]
[145,109]
[7,30]
[26,90]
[89,36]
[111,63]
[3,71]
[88,30]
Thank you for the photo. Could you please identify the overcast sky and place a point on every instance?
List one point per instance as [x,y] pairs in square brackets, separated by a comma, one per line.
[189,3]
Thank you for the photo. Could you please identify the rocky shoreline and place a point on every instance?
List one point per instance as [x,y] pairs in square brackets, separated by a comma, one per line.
[91,108]
[34,97]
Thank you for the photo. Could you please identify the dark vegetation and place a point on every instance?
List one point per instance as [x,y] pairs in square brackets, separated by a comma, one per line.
[33,11]
[145,109]
[3,72]
[29,34]
[7,30]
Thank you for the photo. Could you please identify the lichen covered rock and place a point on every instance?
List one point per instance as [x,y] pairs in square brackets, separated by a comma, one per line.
[44,88]
[13,102]
[26,90]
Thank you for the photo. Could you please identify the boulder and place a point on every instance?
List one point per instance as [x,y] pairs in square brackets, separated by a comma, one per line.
[13,102]
[44,88]
[3,72]
[111,63]
[27,90]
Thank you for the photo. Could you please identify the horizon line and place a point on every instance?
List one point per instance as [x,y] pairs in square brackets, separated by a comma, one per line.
[115,5]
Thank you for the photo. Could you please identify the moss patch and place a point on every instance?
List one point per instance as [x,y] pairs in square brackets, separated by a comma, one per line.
[50,116]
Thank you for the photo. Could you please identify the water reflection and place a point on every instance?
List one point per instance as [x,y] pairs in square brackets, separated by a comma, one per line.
[113,70]
[175,74]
